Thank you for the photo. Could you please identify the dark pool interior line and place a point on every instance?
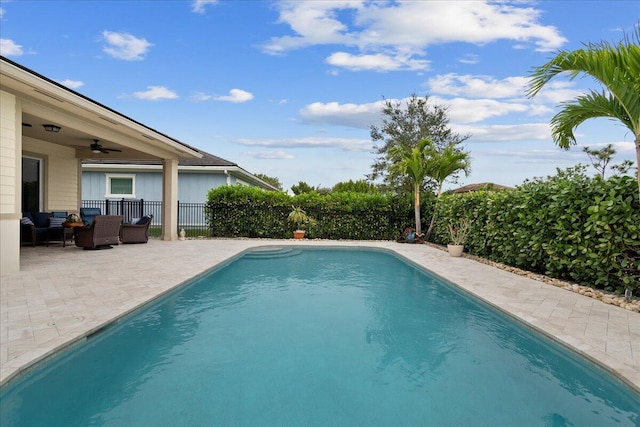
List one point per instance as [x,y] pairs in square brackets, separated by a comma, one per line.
[248,308]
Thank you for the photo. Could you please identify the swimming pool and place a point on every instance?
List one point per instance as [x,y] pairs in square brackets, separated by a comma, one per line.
[318,337]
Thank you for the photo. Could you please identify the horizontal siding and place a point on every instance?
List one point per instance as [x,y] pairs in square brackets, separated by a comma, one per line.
[61,169]
[8,154]
[192,187]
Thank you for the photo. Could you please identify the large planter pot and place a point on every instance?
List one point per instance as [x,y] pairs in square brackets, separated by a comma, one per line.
[455,250]
[298,234]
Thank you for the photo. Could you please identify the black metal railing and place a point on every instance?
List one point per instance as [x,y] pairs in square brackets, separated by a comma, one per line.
[191,216]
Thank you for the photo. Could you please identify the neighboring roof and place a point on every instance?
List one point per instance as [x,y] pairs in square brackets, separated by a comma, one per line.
[487,186]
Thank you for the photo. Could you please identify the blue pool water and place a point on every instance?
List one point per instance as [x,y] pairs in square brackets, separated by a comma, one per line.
[318,337]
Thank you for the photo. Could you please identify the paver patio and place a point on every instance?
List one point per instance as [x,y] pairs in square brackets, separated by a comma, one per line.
[64,294]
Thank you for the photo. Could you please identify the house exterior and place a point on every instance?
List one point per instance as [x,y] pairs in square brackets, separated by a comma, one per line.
[115,179]
[46,131]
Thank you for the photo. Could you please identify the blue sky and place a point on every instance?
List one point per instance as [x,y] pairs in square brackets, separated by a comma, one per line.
[290,89]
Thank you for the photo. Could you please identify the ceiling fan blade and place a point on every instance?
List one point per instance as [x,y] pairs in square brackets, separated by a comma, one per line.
[96,147]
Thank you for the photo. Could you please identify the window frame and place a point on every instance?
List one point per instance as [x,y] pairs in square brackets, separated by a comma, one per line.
[110,176]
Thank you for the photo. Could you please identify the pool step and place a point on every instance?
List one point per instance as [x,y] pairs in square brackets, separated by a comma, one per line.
[271,253]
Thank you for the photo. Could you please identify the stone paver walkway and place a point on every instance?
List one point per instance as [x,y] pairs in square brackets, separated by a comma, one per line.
[64,294]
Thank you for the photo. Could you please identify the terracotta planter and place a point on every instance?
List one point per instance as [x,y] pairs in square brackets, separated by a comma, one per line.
[298,234]
[455,250]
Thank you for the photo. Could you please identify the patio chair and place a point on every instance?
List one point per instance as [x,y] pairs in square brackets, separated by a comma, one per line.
[101,234]
[136,233]
[88,214]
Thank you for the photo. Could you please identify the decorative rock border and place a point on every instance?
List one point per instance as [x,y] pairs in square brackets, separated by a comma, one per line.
[604,296]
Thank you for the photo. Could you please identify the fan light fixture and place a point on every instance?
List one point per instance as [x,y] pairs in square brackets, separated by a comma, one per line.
[96,150]
[52,128]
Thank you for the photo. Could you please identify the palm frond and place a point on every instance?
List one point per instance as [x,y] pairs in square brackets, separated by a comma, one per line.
[585,107]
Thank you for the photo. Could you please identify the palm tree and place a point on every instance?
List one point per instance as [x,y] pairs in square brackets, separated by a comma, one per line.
[413,162]
[425,161]
[445,163]
[617,67]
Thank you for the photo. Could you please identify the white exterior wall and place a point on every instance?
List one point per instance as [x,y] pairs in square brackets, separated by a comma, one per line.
[10,183]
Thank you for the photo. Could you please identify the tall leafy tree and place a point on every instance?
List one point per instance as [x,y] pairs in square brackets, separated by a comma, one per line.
[302,187]
[601,158]
[617,68]
[359,186]
[404,125]
[270,180]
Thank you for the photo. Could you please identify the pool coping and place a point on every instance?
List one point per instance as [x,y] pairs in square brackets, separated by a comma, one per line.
[606,335]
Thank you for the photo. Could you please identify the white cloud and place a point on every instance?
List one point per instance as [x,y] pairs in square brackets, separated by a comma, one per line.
[155,93]
[200,97]
[351,115]
[362,116]
[72,84]
[470,59]
[344,144]
[463,110]
[270,155]
[125,46]
[1,13]
[236,96]
[394,35]
[376,62]
[478,86]
[198,6]
[505,133]
[9,48]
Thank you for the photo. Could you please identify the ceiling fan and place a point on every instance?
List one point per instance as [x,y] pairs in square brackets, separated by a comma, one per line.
[97,148]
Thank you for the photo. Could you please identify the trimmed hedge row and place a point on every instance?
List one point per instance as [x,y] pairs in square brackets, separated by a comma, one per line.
[241,211]
[570,227]
[575,228]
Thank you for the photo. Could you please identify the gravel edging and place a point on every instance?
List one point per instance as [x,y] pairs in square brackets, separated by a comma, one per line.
[604,296]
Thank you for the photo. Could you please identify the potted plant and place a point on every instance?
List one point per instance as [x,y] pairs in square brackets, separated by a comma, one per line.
[458,236]
[73,220]
[300,219]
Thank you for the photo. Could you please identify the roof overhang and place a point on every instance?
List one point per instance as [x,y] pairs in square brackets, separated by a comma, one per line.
[82,120]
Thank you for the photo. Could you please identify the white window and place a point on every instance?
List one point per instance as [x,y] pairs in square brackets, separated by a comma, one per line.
[121,185]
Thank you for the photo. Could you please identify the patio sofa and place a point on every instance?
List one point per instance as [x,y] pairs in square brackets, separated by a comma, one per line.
[37,227]
[101,234]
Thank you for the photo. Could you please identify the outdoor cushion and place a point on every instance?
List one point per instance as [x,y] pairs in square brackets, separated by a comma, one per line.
[41,219]
[144,220]
[134,221]
[88,214]
[56,222]
[26,221]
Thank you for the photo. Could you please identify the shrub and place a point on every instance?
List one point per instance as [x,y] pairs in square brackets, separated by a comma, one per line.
[569,226]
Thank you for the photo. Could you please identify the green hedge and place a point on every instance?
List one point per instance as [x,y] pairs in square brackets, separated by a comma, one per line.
[241,211]
[570,227]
